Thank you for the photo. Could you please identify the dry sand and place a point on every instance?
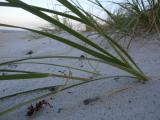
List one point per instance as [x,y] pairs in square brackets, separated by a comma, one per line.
[111,99]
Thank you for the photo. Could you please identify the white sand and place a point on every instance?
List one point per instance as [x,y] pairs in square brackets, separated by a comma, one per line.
[134,101]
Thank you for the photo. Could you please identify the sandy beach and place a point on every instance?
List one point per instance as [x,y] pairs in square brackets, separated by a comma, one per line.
[119,98]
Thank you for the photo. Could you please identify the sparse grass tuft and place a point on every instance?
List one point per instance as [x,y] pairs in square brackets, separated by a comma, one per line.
[137,15]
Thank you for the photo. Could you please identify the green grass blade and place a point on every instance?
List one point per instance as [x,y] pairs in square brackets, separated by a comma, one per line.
[23,76]
[54,92]
[89,18]
[52,57]
[64,66]
[19,71]
[57,23]
[74,10]
[38,75]
[113,62]
[110,61]
[48,88]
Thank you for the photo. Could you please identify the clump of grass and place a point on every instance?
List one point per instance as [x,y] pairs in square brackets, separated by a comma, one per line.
[133,15]
[122,60]
[137,15]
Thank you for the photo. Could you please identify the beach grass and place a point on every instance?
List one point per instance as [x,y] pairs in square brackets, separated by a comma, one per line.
[134,15]
[122,60]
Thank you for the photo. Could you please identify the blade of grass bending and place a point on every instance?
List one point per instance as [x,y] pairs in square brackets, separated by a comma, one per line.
[128,56]
[108,60]
[46,57]
[112,17]
[50,88]
[66,57]
[123,68]
[57,23]
[119,47]
[64,66]
[37,75]
[23,76]
[89,18]
[100,31]
[129,68]
[113,43]
[54,92]
[76,11]
[47,10]
[116,45]
[20,71]
[79,11]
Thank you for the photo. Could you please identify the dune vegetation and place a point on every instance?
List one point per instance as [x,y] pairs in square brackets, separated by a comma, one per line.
[131,16]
